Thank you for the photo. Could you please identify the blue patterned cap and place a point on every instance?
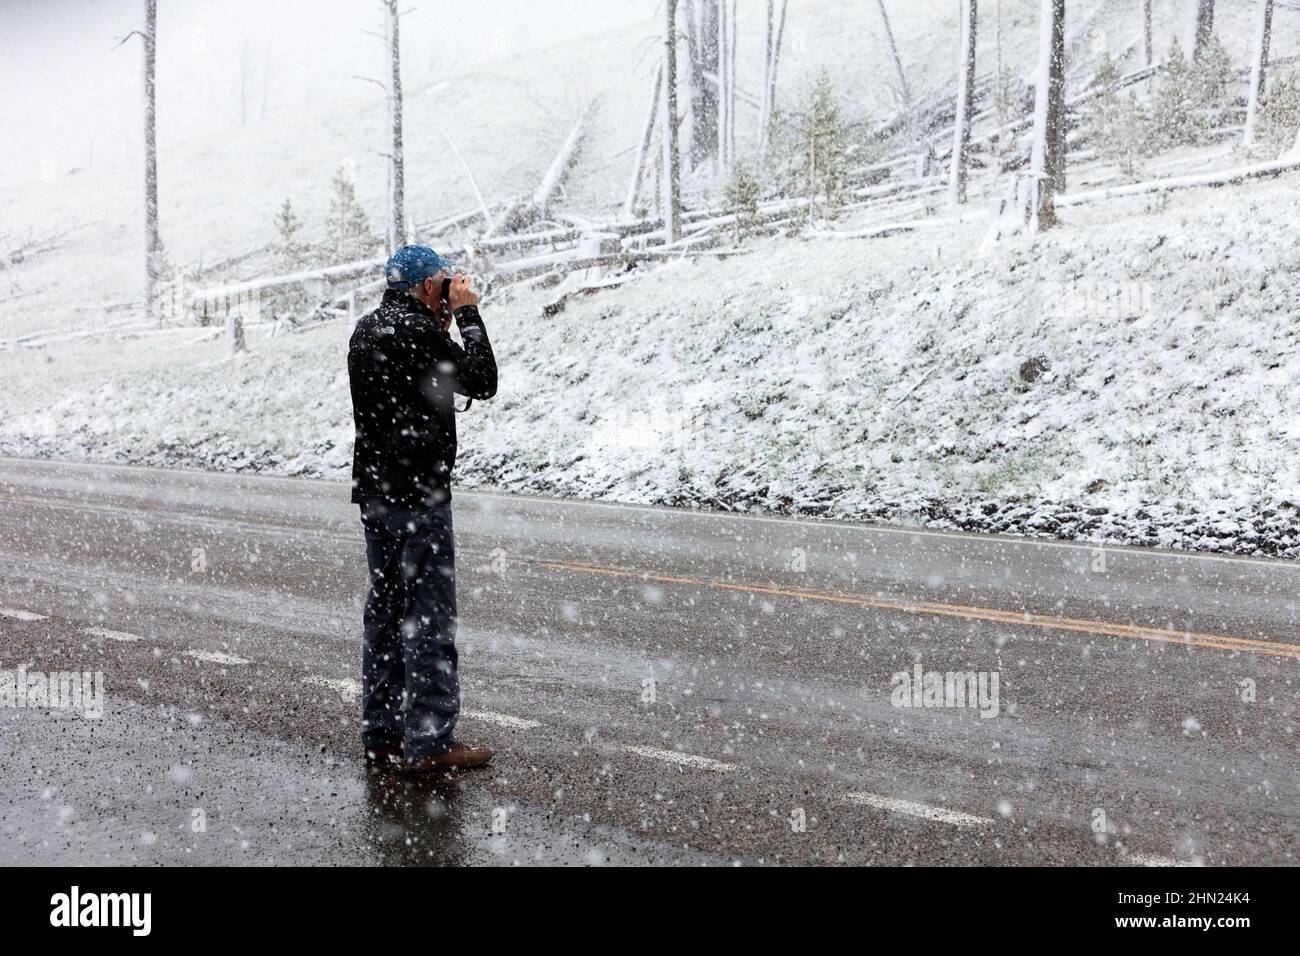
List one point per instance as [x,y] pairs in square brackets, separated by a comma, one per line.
[411,265]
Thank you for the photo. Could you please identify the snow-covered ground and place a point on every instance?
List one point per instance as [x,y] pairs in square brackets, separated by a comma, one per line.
[1129,377]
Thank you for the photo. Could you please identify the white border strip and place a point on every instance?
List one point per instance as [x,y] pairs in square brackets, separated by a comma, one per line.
[502,720]
[216,657]
[921,810]
[112,635]
[681,759]
[15,614]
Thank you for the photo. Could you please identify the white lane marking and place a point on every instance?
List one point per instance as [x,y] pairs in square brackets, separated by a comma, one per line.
[216,657]
[17,615]
[351,691]
[112,635]
[681,759]
[1150,859]
[923,810]
[502,720]
[349,688]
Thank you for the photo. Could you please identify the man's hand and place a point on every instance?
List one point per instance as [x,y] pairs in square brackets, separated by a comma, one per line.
[460,293]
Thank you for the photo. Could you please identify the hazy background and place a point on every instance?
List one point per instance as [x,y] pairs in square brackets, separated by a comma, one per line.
[69,99]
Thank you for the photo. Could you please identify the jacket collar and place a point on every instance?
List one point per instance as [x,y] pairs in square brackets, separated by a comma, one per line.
[398,299]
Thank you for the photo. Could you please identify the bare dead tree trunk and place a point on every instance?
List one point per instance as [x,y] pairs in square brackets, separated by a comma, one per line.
[1258,66]
[769,37]
[243,93]
[672,160]
[693,78]
[731,85]
[397,230]
[702,33]
[957,174]
[1049,110]
[1056,128]
[1146,32]
[647,135]
[267,79]
[724,86]
[152,242]
[904,89]
[1204,27]
[771,78]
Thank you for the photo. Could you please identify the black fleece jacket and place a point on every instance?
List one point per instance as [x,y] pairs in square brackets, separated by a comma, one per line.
[404,372]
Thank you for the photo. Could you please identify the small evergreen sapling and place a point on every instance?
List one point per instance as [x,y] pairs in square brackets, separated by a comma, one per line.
[1280,116]
[821,147]
[292,255]
[348,232]
[1118,124]
[741,196]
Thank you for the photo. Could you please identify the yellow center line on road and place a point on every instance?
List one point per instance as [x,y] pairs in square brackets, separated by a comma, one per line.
[1188,638]
[994,615]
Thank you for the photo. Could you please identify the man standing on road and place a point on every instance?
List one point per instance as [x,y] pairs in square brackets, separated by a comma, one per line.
[405,371]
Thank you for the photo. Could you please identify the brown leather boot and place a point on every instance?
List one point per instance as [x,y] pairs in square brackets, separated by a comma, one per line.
[458,757]
[384,756]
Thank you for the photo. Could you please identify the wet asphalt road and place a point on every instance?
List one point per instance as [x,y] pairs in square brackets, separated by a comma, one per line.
[662,687]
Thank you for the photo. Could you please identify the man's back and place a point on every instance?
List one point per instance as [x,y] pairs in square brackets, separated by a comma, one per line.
[404,371]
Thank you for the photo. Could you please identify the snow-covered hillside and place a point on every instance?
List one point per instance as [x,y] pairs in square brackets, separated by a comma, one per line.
[219,193]
[1128,377]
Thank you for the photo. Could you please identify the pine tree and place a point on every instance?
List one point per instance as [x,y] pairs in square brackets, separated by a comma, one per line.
[292,255]
[1174,120]
[1117,124]
[821,148]
[741,196]
[1192,96]
[291,252]
[1280,116]
[348,230]
[1215,76]
[778,161]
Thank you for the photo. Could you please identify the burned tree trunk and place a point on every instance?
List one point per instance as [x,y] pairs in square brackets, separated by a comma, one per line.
[1258,66]
[769,36]
[724,88]
[731,86]
[643,151]
[965,103]
[775,31]
[903,88]
[672,199]
[704,84]
[1146,32]
[1056,77]
[1204,27]
[1047,156]
[152,242]
[769,101]
[397,225]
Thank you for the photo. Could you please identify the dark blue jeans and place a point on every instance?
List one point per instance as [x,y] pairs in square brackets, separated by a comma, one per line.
[410,689]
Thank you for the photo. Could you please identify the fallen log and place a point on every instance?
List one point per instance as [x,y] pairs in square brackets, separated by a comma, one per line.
[524,214]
